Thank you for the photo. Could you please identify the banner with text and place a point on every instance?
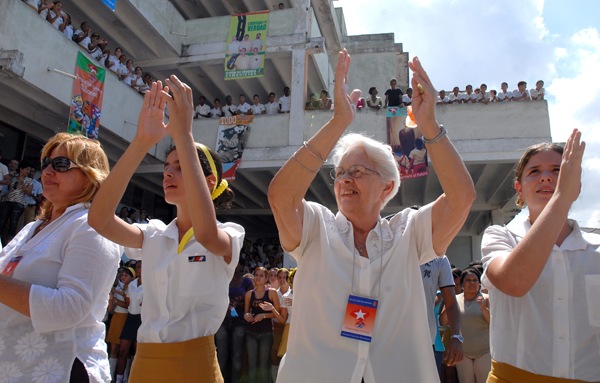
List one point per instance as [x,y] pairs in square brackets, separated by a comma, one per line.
[231,141]
[407,144]
[245,56]
[86,104]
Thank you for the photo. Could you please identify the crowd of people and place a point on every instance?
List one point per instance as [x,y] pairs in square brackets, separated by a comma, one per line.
[228,109]
[359,313]
[93,44]
[482,95]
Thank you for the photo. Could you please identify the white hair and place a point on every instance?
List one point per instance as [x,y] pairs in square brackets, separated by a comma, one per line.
[381,154]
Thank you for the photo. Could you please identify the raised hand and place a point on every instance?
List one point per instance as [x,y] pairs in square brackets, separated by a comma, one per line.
[151,122]
[569,179]
[181,107]
[266,306]
[423,104]
[345,105]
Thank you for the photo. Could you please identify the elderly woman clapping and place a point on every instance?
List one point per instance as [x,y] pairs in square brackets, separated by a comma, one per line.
[57,273]
[354,257]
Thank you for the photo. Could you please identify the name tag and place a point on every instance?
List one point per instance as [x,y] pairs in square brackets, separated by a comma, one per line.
[197,258]
[359,320]
[10,268]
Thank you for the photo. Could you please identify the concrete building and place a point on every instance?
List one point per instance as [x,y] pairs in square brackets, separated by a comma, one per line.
[188,38]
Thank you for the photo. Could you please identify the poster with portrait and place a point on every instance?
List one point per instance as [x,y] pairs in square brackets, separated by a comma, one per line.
[231,141]
[407,144]
[245,53]
[86,103]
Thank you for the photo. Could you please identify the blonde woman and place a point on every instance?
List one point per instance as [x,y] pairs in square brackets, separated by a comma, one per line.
[56,275]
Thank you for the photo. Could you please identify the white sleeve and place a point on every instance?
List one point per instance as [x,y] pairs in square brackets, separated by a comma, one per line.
[88,262]
[133,253]
[422,234]
[497,241]
[311,225]
[445,278]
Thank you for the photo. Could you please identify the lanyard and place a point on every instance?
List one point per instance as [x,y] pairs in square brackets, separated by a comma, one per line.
[185,240]
[380,269]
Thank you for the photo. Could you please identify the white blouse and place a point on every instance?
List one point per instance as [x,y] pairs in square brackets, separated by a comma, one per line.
[71,268]
[400,349]
[135,293]
[186,295]
[554,329]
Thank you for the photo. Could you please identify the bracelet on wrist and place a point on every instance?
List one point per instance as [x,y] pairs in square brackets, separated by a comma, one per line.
[443,133]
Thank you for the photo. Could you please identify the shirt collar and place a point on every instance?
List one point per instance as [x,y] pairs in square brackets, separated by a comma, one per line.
[382,228]
[172,231]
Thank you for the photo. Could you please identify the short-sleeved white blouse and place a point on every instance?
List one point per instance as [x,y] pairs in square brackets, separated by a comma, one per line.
[400,350]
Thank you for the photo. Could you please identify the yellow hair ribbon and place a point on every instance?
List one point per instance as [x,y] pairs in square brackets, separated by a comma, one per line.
[132,272]
[217,189]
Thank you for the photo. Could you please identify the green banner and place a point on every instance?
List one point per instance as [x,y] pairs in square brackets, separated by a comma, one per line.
[246,45]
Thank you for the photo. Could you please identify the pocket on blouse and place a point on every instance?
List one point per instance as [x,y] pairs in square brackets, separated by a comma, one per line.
[592,294]
[196,275]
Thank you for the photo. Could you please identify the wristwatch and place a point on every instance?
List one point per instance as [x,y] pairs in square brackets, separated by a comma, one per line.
[459,337]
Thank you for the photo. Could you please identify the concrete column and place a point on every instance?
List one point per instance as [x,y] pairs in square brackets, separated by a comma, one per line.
[476,248]
[299,75]
[498,217]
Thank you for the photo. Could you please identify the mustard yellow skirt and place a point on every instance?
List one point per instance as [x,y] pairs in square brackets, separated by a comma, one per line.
[116,326]
[190,361]
[277,335]
[505,373]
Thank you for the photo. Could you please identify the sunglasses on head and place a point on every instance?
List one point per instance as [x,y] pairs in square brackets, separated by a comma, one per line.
[59,164]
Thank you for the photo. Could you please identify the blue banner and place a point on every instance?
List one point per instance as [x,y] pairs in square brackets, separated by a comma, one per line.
[110,3]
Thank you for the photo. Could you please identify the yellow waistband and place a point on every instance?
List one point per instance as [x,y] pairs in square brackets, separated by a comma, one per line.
[505,373]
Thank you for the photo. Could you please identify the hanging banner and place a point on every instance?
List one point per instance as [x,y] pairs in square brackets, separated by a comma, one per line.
[246,45]
[231,141]
[407,144]
[86,104]
[110,3]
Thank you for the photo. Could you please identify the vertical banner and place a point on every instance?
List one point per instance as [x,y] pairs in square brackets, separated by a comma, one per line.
[407,144]
[245,57]
[231,141]
[86,104]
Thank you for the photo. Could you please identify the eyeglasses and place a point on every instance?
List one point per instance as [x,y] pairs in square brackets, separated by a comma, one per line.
[59,164]
[355,171]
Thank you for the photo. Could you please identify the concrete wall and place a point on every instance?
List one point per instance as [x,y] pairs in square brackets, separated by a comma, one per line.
[369,70]
[22,31]
[163,16]
[459,252]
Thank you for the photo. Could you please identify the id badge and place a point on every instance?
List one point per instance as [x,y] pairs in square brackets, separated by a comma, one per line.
[14,261]
[360,318]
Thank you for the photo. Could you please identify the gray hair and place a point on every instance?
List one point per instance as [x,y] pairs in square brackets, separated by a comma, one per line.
[381,154]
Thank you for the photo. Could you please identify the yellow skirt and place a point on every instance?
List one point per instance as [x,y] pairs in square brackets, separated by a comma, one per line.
[277,335]
[190,361]
[116,326]
[505,373]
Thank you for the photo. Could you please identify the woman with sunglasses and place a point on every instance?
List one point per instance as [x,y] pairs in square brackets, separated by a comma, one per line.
[356,253]
[188,263]
[56,275]
[543,276]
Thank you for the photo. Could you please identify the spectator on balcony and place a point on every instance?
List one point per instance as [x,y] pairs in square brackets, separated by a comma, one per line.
[393,96]
[244,107]
[216,112]
[139,83]
[257,107]
[256,59]
[272,106]
[33,4]
[454,97]
[103,58]
[114,59]
[229,109]
[374,102]
[468,97]
[43,8]
[313,103]
[82,36]
[521,93]
[484,95]
[246,43]
[233,48]
[281,6]
[122,67]
[93,47]
[493,96]
[284,101]
[257,43]
[504,95]
[55,16]
[442,98]
[128,75]
[407,98]
[325,100]
[538,92]
[203,109]
[243,61]
[68,31]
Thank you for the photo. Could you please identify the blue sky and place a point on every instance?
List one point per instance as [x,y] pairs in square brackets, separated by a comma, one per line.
[470,41]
